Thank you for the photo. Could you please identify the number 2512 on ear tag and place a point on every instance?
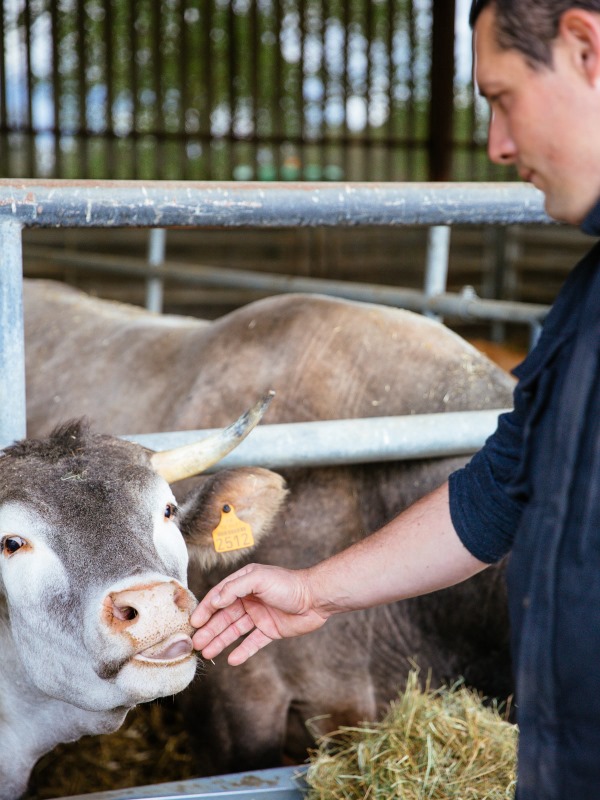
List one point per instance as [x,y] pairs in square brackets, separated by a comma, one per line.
[231,533]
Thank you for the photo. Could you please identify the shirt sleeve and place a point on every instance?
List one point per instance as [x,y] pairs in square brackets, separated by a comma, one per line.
[488,496]
[484,507]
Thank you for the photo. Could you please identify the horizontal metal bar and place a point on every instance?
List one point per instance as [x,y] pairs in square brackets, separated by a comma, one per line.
[347,441]
[285,783]
[466,305]
[83,204]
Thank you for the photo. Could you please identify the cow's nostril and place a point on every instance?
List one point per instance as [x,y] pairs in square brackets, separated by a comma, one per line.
[124,612]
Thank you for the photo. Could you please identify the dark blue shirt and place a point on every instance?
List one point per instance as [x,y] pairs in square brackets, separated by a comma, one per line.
[533,492]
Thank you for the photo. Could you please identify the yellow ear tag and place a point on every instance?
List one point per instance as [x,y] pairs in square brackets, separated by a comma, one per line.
[231,533]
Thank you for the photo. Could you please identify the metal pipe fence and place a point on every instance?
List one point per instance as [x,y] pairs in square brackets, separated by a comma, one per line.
[153,204]
[35,203]
[353,441]
[465,305]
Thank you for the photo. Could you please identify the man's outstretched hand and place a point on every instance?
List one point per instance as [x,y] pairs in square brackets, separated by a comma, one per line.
[417,552]
[259,602]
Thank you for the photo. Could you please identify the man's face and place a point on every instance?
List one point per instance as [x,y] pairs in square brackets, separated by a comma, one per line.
[543,120]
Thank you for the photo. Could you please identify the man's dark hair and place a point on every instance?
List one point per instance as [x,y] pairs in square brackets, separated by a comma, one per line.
[529,26]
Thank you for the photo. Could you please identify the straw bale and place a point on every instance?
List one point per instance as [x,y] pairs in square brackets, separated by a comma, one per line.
[440,745]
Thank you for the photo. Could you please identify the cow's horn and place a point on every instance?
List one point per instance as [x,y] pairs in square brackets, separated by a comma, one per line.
[192,459]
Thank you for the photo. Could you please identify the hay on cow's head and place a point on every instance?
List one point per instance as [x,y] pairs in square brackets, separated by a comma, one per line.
[438,745]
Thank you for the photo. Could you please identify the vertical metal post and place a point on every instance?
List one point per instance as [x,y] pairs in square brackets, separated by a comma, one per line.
[4,121]
[12,342]
[436,266]
[156,257]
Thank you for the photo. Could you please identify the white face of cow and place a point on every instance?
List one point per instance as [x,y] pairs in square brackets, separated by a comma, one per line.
[93,570]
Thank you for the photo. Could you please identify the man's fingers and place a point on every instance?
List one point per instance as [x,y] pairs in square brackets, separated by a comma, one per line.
[250,601]
[206,608]
[254,642]
[229,635]
[217,623]
[222,595]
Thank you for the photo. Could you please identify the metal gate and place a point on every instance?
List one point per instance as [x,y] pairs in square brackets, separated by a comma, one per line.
[84,204]
[33,203]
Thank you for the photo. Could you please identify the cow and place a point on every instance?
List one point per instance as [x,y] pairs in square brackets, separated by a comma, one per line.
[94,602]
[130,371]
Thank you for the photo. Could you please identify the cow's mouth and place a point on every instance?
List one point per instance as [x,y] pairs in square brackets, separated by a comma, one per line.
[174,649]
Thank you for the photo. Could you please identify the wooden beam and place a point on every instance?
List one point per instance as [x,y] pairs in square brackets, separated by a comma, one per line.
[441,107]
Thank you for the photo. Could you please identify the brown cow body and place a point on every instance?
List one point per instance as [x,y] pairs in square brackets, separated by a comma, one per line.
[130,371]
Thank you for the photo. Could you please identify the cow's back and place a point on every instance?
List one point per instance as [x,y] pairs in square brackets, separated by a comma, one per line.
[132,371]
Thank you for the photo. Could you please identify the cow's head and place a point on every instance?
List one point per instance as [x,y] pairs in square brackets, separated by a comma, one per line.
[93,568]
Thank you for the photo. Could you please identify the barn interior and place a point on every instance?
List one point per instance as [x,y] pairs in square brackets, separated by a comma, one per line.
[220,90]
[339,91]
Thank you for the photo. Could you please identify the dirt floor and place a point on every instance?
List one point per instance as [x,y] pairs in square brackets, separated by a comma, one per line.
[151,747]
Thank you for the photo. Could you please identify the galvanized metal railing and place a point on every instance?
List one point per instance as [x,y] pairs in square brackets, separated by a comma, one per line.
[433,301]
[135,204]
[347,441]
[86,204]
[160,205]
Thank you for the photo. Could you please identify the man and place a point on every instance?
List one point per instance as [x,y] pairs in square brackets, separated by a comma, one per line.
[534,489]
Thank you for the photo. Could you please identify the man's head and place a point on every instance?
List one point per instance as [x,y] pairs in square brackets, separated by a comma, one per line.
[529,26]
[538,64]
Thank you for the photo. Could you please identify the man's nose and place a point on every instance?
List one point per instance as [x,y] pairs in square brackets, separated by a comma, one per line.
[501,147]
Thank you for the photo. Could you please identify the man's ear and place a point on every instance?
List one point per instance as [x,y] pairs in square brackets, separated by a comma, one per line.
[580,31]
[229,514]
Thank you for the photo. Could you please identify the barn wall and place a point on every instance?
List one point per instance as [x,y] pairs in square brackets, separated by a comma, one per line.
[238,89]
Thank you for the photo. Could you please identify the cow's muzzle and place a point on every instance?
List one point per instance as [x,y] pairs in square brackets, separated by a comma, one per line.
[154,619]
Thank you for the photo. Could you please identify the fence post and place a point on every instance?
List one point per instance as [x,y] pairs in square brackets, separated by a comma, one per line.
[156,258]
[12,344]
[436,267]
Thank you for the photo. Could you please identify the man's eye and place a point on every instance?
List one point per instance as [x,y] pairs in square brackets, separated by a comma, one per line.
[498,101]
[170,511]
[10,544]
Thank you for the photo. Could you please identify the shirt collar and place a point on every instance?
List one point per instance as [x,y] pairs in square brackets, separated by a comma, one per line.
[591,224]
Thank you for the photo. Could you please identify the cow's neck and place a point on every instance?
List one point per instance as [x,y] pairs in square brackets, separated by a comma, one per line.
[31,723]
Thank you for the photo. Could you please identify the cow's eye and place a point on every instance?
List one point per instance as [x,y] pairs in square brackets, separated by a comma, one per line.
[10,544]
[170,511]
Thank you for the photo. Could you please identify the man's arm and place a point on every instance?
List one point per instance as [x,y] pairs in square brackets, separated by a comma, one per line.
[417,552]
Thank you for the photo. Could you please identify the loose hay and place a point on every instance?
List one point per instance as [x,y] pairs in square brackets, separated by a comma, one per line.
[439,745]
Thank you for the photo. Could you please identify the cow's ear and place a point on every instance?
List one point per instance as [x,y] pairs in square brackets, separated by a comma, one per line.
[229,514]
